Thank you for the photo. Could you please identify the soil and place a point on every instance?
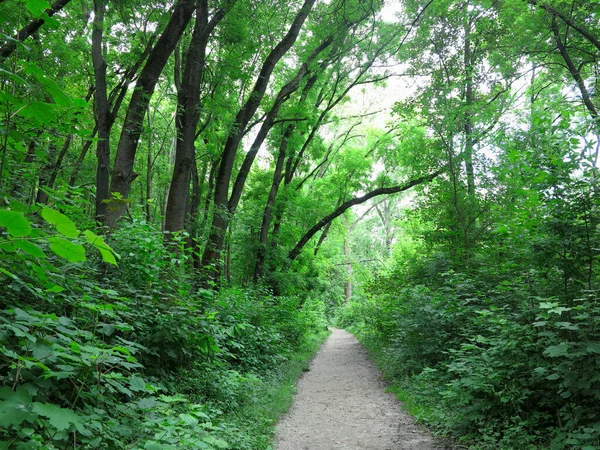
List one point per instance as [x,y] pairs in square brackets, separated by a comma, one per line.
[341,404]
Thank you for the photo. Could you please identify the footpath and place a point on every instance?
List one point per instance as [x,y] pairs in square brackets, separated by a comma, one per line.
[341,404]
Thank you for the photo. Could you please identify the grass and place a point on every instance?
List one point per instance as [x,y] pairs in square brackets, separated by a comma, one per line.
[252,426]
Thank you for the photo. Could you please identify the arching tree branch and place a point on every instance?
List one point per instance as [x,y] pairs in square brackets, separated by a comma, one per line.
[357,201]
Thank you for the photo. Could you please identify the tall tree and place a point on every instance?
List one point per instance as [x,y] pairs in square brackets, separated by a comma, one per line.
[220,222]
[123,174]
[188,114]
[101,110]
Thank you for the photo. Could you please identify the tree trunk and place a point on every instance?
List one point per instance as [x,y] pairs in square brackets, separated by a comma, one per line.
[8,48]
[579,28]
[149,163]
[574,71]
[115,100]
[188,115]
[468,116]
[348,267]
[266,221]
[42,197]
[322,238]
[59,160]
[102,113]
[123,174]
[283,95]
[81,158]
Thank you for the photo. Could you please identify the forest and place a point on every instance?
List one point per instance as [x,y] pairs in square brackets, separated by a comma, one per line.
[193,191]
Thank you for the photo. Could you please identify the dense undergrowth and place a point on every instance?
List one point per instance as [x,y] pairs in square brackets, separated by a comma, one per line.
[101,356]
[497,366]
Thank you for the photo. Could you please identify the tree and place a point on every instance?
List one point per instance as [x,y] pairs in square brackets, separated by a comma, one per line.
[220,220]
[102,111]
[188,114]
[123,174]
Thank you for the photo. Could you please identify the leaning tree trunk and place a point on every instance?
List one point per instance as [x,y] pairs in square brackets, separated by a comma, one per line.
[212,253]
[266,221]
[353,202]
[284,94]
[11,45]
[123,174]
[348,267]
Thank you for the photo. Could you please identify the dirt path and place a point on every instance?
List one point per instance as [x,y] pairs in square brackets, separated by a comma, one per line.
[341,404]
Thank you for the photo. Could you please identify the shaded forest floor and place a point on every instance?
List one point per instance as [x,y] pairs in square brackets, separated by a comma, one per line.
[342,404]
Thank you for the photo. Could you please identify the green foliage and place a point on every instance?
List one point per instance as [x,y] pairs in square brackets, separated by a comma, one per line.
[130,356]
[77,380]
[485,358]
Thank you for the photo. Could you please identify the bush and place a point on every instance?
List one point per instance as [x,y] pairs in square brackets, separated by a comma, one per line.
[129,357]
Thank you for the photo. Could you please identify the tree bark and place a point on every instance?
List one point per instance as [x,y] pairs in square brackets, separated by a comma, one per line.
[45,174]
[115,100]
[266,221]
[348,267]
[149,163]
[188,115]
[282,97]
[322,238]
[353,202]
[8,48]
[468,115]
[59,160]
[585,94]
[102,112]
[123,174]
[580,29]
[212,252]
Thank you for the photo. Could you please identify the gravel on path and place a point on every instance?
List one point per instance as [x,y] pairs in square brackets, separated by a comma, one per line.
[341,404]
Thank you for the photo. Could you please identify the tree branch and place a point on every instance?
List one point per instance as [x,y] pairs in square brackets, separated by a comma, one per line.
[30,28]
[357,201]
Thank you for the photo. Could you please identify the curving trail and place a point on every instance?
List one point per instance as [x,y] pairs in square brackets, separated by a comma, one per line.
[341,404]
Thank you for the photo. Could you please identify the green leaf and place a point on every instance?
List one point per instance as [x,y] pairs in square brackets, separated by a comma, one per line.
[45,113]
[147,403]
[137,384]
[30,248]
[7,247]
[64,225]
[57,94]
[12,76]
[221,444]
[8,274]
[59,418]
[567,326]
[15,223]
[554,351]
[16,407]
[66,249]
[593,347]
[108,255]
[188,419]
[107,329]
[41,351]
[37,7]
[56,289]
